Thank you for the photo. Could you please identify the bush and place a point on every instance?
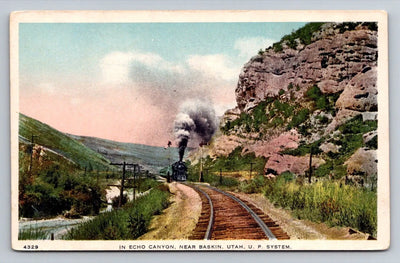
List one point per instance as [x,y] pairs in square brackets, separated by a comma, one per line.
[303,34]
[299,118]
[127,223]
[331,202]
[321,101]
[347,26]
[115,200]
[56,187]
[254,185]
[357,125]
[373,143]
[277,47]
[323,119]
[277,122]
[304,149]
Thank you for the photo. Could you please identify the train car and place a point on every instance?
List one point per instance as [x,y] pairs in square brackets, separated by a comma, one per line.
[179,171]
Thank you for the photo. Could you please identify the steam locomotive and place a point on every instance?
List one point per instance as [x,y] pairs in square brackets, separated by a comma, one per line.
[179,171]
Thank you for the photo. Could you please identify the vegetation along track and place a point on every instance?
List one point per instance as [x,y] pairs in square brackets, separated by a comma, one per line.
[225,216]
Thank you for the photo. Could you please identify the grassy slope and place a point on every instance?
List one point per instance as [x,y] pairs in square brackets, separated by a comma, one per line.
[60,143]
[151,157]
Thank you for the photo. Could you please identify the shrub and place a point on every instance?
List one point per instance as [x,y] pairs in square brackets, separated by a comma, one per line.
[130,222]
[373,143]
[373,26]
[331,202]
[323,119]
[56,187]
[357,125]
[288,176]
[304,149]
[115,200]
[304,35]
[277,47]
[325,102]
[277,122]
[347,26]
[254,185]
[299,118]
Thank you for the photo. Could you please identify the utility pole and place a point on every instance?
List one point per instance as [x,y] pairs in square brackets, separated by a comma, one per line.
[121,191]
[251,168]
[136,171]
[310,166]
[32,144]
[134,181]
[201,179]
[169,161]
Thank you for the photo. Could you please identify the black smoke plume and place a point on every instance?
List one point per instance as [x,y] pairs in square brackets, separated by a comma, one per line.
[196,120]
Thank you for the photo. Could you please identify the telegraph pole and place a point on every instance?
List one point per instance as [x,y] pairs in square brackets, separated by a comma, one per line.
[32,144]
[169,161]
[201,179]
[310,166]
[121,191]
[251,168]
[134,181]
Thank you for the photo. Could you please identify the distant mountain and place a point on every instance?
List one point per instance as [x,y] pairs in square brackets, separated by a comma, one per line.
[60,144]
[150,157]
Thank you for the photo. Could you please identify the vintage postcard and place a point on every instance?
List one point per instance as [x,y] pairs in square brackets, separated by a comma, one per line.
[199,130]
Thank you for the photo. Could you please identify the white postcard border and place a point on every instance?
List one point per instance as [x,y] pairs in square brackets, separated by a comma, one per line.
[383,238]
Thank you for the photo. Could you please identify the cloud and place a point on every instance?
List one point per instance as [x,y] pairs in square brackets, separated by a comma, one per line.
[216,66]
[167,83]
[249,46]
[116,66]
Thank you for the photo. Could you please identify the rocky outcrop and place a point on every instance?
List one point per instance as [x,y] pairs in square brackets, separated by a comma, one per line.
[329,147]
[362,163]
[340,67]
[296,164]
[360,94]
[334,61]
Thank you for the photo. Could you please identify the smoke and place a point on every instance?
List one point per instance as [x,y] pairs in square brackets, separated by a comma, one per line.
[196,120]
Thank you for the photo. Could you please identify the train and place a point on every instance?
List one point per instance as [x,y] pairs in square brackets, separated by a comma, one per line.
[179,171]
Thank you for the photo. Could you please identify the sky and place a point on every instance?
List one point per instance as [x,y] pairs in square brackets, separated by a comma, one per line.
[127,81]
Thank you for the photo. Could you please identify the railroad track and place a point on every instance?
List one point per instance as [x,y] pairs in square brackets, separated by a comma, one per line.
[226,216]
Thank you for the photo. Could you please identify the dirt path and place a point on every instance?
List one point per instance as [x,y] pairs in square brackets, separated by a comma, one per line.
[301,229]
[179,219]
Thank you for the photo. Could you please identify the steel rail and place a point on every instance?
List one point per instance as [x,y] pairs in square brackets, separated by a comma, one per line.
[208,233]
[259,221]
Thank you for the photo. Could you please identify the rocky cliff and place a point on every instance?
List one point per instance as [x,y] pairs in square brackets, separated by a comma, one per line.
[313,92]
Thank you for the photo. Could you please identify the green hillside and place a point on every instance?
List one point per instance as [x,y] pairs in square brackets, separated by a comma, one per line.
[57,174]
[60,143]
